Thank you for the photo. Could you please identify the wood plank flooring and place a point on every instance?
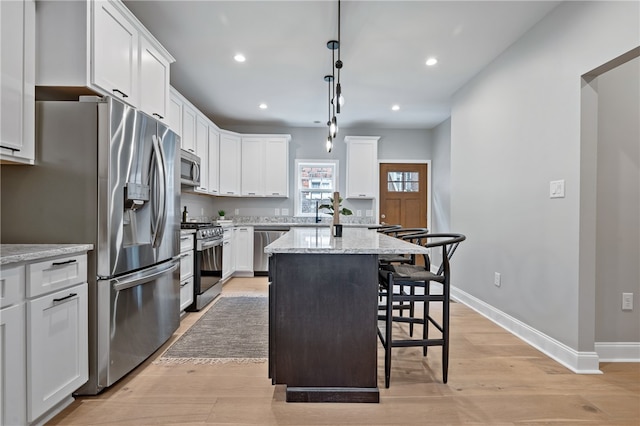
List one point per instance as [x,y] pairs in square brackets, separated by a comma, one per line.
[494,379]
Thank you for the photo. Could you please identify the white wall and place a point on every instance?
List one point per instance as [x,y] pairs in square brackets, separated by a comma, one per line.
[514,128]
[618,203]
[441,177]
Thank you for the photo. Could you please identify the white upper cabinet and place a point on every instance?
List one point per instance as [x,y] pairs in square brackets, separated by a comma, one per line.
[153,80]
[174,114]
[229,164]
[252,181]
[202,151]
[114,54]
[214,160]
[265,165]
[110,58]
[189,117]
[17,85]
[276,180]
[362,166]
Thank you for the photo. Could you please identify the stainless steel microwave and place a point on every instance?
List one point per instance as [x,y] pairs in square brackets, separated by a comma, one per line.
[189,168]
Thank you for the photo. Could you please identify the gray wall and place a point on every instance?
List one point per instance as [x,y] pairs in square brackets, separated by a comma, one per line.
[441,178]
[309,143]
[618,203]
[514,128]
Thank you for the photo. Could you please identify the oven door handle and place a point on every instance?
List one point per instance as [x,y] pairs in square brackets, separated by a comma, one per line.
[210,244]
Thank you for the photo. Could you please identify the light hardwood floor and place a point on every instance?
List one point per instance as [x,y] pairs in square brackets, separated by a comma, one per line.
[494,379]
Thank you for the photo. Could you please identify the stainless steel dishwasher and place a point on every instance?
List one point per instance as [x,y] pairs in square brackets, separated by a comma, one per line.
[262,237]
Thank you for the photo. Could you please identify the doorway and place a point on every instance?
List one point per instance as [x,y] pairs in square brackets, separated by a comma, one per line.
[404,194]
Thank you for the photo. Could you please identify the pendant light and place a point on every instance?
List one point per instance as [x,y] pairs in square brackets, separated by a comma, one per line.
[333,123]
[329,143]
[340,99]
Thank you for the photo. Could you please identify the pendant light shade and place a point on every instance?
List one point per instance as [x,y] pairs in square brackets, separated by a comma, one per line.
[336,99]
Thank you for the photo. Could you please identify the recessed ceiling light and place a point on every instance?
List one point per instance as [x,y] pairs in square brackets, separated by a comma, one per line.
[432,61]
[263,106]
[395,107]
[239,57]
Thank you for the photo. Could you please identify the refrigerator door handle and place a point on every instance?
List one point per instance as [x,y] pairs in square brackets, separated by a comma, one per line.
[160,180]
[125,284]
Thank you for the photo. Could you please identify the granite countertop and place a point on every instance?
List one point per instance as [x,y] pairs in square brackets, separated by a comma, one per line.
[354,240]
[14,253]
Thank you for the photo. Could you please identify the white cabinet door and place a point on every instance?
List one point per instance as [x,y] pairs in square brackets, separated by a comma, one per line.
[12,365]
[229,164]
[186,271]
[202,151]
[228,258]
[188,141]
[362,166]
[17,85]
[57,347]
[243,244]
[186,293]
[276,179]
[252,166]
[214,160]
[154,81]
[174,114]
[114,53]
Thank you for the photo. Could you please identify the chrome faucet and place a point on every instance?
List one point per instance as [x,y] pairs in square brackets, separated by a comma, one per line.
[317,208]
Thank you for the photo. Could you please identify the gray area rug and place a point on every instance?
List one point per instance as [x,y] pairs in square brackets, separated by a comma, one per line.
[234,329]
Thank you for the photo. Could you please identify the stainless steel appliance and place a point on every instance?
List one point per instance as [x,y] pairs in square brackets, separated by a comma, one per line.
[207,268]
[106,174]
[262,237]
[189,168]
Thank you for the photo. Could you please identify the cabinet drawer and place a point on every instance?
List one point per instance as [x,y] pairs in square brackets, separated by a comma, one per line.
[186,293]
[55,274]
[186,265]
[186,243]
[11,285]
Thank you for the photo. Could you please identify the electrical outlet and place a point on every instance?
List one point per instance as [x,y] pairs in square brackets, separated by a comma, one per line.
[277,212]
[497,280]
[237,212]
[627,301]
[358,213]
[285,212]
[369,213]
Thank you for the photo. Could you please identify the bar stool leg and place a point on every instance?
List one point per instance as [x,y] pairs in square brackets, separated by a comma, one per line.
[388,325]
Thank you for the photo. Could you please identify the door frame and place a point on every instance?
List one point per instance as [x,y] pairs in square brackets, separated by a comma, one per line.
[429,195]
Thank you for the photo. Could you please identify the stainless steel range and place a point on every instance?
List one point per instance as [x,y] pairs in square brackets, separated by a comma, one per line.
[207,268]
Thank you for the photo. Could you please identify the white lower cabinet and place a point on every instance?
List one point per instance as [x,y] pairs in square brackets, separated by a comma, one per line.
[44,337]
[243,244]
[57,347]
[186,271]
[13,403]
[228,253]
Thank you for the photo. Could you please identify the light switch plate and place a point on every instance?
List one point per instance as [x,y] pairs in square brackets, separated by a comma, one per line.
[276,212]
[556,189]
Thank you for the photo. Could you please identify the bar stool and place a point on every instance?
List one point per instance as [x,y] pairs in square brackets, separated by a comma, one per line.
[398,285]
[404,233]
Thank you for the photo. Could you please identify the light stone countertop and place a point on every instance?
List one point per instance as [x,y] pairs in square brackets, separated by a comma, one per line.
[305,240]
[14,253]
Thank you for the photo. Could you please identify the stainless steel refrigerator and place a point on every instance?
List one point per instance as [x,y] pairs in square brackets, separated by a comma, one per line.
[106,174]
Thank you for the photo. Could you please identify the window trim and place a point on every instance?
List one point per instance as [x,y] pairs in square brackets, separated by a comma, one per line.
[298,189]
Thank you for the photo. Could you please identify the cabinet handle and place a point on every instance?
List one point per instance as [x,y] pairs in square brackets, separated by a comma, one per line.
[275,193]
[66,297]
[124,95]
[158,115]
[63,263]
[362,195]
[251,193]
[10,148]
[230,192]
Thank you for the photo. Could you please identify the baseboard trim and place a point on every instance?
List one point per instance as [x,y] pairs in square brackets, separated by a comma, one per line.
[618,351]
[578,362]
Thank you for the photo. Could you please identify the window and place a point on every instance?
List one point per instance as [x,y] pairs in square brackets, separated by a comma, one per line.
[315,183]
[403,181]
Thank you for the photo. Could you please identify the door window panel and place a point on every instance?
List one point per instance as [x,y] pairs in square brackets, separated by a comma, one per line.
[403,181]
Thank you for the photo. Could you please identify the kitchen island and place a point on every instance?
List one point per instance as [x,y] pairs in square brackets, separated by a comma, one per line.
[323,296]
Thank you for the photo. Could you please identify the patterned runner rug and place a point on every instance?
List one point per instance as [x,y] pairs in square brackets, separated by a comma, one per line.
[234,329]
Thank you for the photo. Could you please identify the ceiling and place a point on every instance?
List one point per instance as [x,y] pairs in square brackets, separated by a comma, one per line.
[384,46]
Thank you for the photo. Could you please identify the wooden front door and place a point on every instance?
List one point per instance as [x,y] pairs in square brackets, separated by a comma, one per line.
[403,195]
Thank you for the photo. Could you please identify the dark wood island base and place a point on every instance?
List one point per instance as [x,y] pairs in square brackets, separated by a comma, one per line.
[322,326]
